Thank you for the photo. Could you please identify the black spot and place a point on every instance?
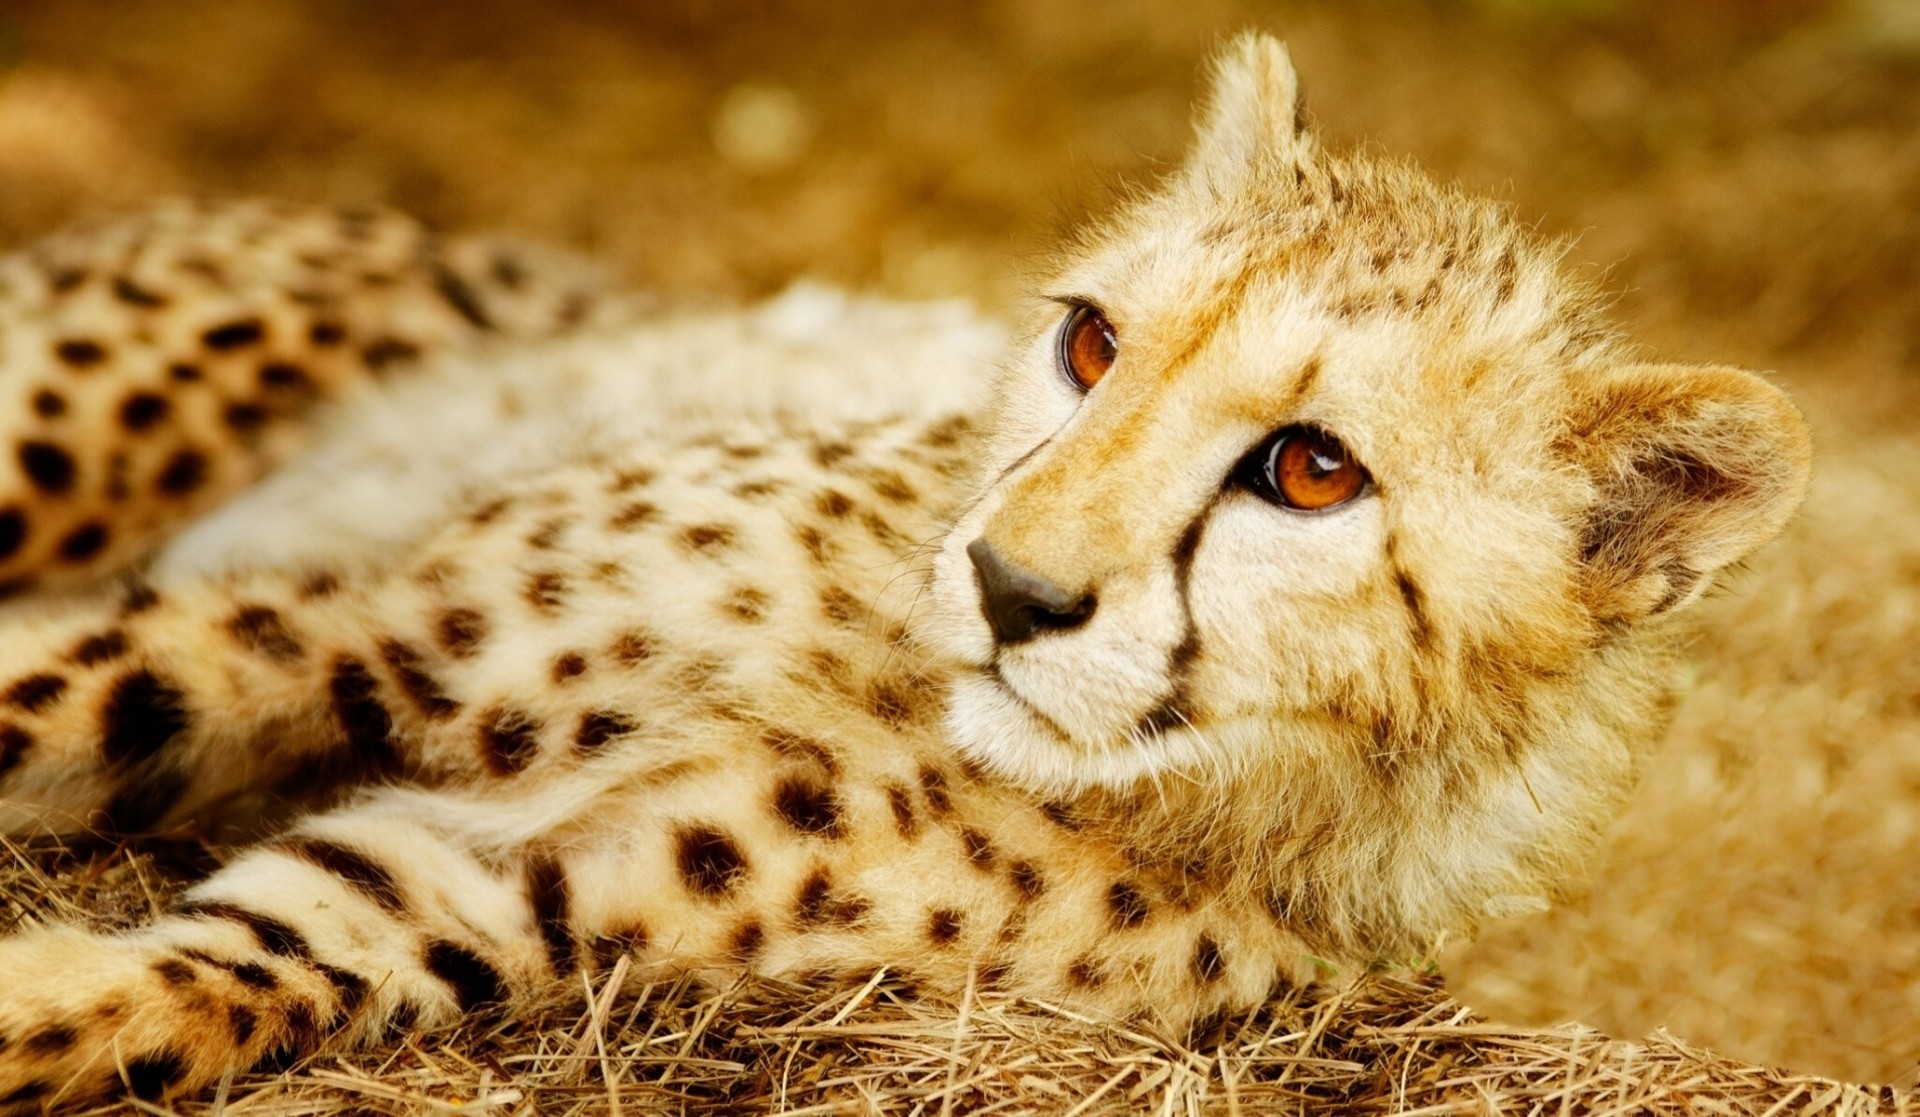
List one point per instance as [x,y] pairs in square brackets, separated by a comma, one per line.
[50,468]
[79,352]
[708,537]
[813,904]
[978,846]
[262,629]
[800,747]
[51,1039]
[597,727]
[610,948]
[1208,963]
[325,334]
[356,707]
[933,784]
[383,353]
[150,1076]
[825,454]
[904,820]
[633,515]
[807,807]
[362,873]
[275,937]
[280,376]
[710,863]
[13,531]
[569,665]
[35,692]
[147,796]
[233,335]
[947,433]
[241,1022]
[474,982]
[141,410]
[253,975]
[889,705]
[839,606]
[548,532]
[20,1095]
[349,988]
[944,926]
[508,272]
[320,583]
[881,530]
[14,743]
[461,631]
[428,696]
[633,647]
[1126,906]
[547,890]
[508,740]
[142,714]
[184,472]
[49,404]
[1027,880]
[131,293]
[747,605]
[1061,814]
[546,590]
[99,648]
[461,298]
[64,279]
[833,504]
[1416,602]
[185,373]
[1085,973]
[175,971]
[243,417]
[84,542]
[745,940]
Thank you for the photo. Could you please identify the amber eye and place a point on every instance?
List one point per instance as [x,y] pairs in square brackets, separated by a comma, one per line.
[1087,346]
[1305,469]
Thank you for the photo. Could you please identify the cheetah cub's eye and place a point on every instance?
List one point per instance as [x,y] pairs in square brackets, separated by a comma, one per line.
[1304,469]
[1087,346]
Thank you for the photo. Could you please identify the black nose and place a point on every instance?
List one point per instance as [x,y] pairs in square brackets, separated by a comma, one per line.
[1019,604]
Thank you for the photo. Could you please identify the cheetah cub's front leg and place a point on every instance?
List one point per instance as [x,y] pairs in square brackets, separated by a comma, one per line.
[152,366]
[352,923]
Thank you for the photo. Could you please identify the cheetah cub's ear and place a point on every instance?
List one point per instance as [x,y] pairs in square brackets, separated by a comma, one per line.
[1692,469]
[1253,115]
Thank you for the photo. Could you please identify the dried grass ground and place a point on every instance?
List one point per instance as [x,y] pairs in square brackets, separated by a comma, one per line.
[1748,169]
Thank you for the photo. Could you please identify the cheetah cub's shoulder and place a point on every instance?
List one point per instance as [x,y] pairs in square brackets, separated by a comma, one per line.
[1307,589]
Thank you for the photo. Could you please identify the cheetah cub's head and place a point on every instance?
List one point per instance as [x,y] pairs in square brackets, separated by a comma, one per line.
[1318,484]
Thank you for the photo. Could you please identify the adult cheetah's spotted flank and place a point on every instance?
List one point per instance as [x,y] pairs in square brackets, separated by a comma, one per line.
[1304,589]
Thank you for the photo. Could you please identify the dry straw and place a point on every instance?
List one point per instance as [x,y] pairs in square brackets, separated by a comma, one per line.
[628,1041]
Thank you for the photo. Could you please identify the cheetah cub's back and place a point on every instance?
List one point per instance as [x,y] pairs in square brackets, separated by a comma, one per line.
[1307,591]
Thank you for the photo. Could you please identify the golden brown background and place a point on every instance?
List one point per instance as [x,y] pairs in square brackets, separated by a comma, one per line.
[1747,171]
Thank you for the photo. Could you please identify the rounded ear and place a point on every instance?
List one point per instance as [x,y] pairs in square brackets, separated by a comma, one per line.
[1692,468]
[1252,110]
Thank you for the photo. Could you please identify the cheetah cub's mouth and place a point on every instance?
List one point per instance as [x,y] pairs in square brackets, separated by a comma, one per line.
[1312,476]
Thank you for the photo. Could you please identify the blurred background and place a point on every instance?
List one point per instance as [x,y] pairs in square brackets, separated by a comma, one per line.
[1745,174]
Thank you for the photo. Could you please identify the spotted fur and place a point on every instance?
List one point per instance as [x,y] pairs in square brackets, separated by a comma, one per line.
[631,669]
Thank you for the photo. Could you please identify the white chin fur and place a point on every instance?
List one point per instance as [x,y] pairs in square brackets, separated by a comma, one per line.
[990,725]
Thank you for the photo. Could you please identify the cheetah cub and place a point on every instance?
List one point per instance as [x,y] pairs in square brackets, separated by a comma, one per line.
[1304,589]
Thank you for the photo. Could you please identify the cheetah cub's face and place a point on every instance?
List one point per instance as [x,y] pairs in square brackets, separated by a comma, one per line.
[1315,472]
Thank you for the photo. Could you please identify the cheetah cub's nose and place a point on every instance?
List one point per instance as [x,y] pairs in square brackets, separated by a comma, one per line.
[1020,604]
